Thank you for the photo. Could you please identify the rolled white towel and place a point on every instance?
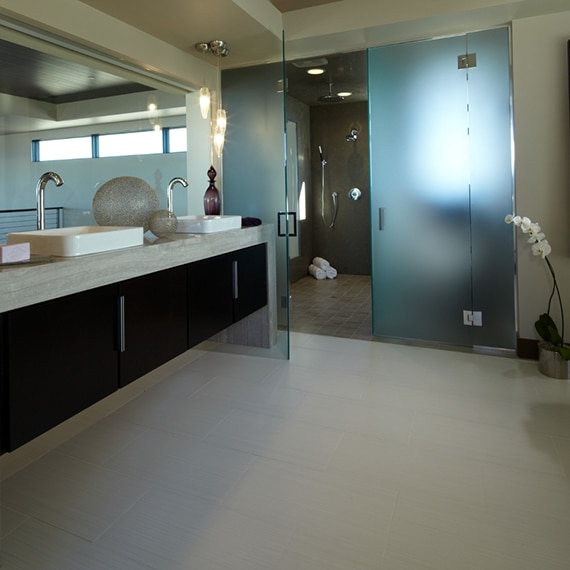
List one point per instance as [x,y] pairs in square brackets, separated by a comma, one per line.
[331,272]
[321,263]
[317,272]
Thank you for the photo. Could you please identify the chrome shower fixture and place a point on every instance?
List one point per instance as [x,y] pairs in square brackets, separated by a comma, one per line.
[219,48]
[330,97]
[353,136]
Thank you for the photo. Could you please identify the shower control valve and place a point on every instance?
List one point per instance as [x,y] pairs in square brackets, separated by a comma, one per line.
[354,194]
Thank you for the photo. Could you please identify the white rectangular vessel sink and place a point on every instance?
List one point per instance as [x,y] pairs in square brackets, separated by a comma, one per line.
[207,224]
[79,240]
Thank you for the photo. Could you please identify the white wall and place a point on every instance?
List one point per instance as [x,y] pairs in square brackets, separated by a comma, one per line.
[542,146]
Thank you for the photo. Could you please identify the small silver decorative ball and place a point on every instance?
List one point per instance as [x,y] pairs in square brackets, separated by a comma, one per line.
[163,223]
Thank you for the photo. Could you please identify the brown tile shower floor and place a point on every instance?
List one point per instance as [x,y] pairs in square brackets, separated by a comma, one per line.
[333,307]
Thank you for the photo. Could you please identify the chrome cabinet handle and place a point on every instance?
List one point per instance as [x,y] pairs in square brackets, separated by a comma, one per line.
[235,290]
[122,343]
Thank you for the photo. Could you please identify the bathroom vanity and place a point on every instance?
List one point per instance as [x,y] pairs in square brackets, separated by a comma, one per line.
[75,330]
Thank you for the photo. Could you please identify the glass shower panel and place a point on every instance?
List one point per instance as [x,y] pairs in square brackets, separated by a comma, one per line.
[491,177]
[421,260]
[254,166]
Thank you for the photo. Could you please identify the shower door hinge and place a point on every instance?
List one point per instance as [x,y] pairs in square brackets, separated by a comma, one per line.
[466,60]
[473,318]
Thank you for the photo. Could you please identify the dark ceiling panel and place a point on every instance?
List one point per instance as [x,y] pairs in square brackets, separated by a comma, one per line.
[346,72]
[290,5]
[28,73]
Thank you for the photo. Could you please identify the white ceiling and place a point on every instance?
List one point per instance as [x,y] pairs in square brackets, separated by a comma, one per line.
[184,23]
[252,28]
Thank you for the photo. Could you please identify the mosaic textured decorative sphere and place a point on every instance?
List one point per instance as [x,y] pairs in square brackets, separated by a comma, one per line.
[125,201]
[163,223]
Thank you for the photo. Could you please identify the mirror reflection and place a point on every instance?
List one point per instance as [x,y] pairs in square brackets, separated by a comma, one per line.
[47,100]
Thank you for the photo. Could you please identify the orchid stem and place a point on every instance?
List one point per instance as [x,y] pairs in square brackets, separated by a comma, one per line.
[555,288]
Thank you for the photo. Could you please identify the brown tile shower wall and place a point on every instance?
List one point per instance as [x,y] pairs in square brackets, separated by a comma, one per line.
[299,113]
[347,244]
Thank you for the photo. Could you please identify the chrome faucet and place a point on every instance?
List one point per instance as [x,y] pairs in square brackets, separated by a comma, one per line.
[40,187]
[171,185]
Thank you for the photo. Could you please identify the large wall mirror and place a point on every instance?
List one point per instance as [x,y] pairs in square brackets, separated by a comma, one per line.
[45,96]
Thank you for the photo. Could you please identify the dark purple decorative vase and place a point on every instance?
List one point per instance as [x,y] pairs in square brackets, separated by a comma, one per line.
[212,200]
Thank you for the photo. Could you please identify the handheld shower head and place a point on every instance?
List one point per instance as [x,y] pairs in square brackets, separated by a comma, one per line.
[323,161]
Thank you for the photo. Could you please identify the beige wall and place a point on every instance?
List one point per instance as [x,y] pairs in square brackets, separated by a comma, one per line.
[542,146]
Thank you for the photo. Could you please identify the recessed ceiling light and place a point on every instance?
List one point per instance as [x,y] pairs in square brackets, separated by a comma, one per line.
[344,93]
[315,71]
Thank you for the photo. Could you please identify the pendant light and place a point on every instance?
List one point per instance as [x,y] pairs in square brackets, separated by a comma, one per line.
[204,102]
[219,48]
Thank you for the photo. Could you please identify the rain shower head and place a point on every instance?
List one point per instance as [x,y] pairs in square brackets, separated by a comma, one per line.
[329,97]
[353,136]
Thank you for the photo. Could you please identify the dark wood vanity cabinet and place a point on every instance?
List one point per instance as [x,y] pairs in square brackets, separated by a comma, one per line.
[152,322]
[250,278]
[58,358]
[210,299]
[224,289]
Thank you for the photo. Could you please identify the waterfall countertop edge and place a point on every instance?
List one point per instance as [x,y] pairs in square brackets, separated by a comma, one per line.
[23,285]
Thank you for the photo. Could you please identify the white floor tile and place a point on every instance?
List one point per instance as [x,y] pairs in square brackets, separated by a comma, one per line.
[36,545]
[500,533]
[182,462]
[331,383]
[401,468]
[263,395]
[495,444]
[275,438]
[10,520]
[173,529]
[529,490]
[97,444]
[347,415]
[75,496]
[354,455]
[193,416]
[310,496]
[563,448]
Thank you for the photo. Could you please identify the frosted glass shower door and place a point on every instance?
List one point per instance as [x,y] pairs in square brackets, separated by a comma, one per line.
[441,185]
[491,179]
[421,260]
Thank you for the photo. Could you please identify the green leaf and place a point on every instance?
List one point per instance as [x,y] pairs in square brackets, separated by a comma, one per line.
[555,338]
[547,329]
[564,352]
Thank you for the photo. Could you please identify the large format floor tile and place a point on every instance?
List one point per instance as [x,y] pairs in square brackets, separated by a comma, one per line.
[353,455]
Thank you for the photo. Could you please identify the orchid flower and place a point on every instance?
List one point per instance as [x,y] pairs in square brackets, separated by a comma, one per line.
[545,326]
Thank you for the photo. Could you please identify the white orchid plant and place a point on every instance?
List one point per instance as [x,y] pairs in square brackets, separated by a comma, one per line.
[545,326]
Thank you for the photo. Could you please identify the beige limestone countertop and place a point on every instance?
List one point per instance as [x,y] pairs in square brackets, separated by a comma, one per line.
[25,285]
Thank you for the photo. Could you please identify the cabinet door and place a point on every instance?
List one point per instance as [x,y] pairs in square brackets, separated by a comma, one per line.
[59,358]
[4,407]
[250,267]
[210,299]
[154,321]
